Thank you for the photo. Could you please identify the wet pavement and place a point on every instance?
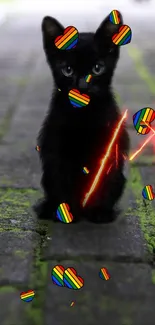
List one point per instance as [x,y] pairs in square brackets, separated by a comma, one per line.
[30,249]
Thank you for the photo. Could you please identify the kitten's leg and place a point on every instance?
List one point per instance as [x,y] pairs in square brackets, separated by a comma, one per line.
[105,212]
[45,208]
[112,187]
[57,185]
[54,192]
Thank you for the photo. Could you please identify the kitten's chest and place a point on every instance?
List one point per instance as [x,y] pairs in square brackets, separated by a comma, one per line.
[84,138]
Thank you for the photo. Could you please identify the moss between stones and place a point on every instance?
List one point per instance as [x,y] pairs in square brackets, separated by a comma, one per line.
[21,253]
[153,276]
[20,199]
[146,213]
[143,160]
[17,197]
[5,289]
[15,206]
[34,313]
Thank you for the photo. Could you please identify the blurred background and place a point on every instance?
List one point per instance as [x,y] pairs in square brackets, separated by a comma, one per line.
[22,59]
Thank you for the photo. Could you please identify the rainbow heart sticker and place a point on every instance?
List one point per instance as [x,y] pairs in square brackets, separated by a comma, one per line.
[104,274]
[147,115]
[27,296]
[123,36]
[88,78]
[85,170]
[68,40]
[72,280]
[78,100]
[148,193]
[57,275]
[66,277]
[114,17]
[63,213]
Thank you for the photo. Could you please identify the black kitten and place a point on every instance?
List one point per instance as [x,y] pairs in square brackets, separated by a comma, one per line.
[71,137]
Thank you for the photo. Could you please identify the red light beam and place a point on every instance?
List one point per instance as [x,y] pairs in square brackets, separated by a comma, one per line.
[109,169]
[104,160]
[144,144]
[149,126]
[116,155]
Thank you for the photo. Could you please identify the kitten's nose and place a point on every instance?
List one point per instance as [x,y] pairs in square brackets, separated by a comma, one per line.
[82,84]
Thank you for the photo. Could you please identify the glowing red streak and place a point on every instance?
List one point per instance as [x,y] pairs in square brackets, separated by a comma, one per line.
[150,127]
[116,155]
[109,169]
[144,144]
[104,160]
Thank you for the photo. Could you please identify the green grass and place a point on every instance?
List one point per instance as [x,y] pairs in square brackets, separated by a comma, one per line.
[145,213]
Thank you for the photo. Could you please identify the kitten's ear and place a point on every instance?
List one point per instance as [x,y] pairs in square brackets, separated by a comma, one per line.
[51,27]
[107,29]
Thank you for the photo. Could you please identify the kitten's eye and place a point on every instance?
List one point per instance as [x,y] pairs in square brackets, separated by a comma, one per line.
[67,71]
[98,69]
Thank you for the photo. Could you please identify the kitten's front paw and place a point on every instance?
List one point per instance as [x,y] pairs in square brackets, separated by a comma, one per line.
[44,210]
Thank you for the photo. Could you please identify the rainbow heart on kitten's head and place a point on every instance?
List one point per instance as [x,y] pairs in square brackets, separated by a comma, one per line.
[68,40]
[123,36]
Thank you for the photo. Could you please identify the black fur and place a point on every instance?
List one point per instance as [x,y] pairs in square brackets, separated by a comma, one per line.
[72,138]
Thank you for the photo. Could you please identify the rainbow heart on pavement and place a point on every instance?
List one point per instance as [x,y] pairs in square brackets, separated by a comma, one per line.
[68,40]
[72,280]
[148,193]
[104,274]
[77,99]
[66,277]
[27,296]
[123,36]
[57,275]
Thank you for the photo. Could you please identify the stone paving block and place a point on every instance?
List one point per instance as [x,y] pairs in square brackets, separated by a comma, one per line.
[18,145]
[12,308]
[16,209]
[15,70]
[20,167]
[148,174]
[104,241]
[16,255]
[124,299]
